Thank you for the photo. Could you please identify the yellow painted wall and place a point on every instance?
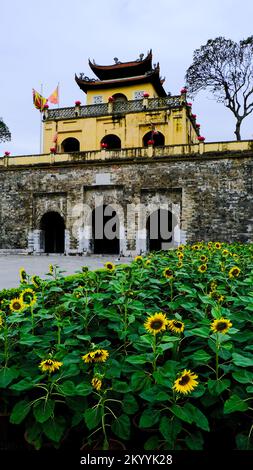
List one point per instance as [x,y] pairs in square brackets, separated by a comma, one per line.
[128,91]
[131,128]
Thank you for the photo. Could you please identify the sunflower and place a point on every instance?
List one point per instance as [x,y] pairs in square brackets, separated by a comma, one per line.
[180,255]
[96,383]
[234,272]
[23,275]
[235,256]
[1,321]
[181,248]
[29,297]
[176,326]
[186,382]
[213,286]
[36,281]
[156,323]
[221,326]
[210,244]
[51,269]
[203,258]
[49,365]
[99,355]
[109,266]
[221,298]
[16,305]
[138,259]
[195,247]
[179,264]
[217,245]
[225,253]
[202,268]
[168,273]
[148,262]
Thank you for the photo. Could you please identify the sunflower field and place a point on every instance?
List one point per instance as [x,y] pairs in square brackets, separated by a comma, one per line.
[153,355]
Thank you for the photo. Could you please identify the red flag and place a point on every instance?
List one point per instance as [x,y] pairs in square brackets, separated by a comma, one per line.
[38,100]
[54,98]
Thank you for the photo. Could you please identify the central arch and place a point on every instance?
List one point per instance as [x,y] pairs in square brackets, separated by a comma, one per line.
[52,228]
[105,230]
[156,136]
[70,145]
[112,141]
[159,230]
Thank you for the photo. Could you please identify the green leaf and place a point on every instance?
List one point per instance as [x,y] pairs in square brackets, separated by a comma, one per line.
[139,380]
[119,386]
[140,359]
[54,428]
[152,443]
[149,418]
[216,387]
[201,356]
[197,416]
[195,441]
[83,389]
[29,340]
[43,410]
[180,413]
[169,429]
[203,331]
[243,376]
[154,394]
[24,384]
[68,388]
[7,375]
[129,404]
[19,412]
[242,361]
[121,426]
[235,403]
[92,417]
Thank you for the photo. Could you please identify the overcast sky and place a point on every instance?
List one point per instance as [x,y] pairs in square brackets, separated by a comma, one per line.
[49,41]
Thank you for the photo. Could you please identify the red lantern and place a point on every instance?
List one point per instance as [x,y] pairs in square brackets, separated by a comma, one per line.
[198,125]
[145,94]
[201,138]
[104,145]
[151,142]
[6,153]
[53,150]
[189,104]
[183,91]
[45,106]
[111,99]
[77,103]
[194,116]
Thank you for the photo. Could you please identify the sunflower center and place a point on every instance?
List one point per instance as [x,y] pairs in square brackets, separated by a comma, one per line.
[222,325]
[156,324]
[49,362]
[16,305]
[97,355]
[184,380]
[168,272]
[177,324]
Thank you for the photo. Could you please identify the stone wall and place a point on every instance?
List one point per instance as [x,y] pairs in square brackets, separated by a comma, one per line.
[212,196]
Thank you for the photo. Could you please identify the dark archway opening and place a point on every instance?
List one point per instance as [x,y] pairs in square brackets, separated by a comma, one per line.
[53,232]
[156,136]
[119,97]
[105,230]
[70,145]
[112,141]
[159,229]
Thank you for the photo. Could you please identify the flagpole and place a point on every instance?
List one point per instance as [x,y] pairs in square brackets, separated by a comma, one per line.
[58,94]
[41,104]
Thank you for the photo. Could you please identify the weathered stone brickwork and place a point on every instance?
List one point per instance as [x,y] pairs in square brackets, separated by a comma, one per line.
[212,195]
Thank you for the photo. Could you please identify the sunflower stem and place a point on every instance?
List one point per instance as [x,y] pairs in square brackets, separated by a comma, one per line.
[154,352]
[217,358]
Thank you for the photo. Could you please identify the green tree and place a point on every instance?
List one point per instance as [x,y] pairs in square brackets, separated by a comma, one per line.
[225,68]
[4,132]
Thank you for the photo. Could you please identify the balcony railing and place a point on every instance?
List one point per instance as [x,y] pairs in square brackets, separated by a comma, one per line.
[213,150]
[118,107]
